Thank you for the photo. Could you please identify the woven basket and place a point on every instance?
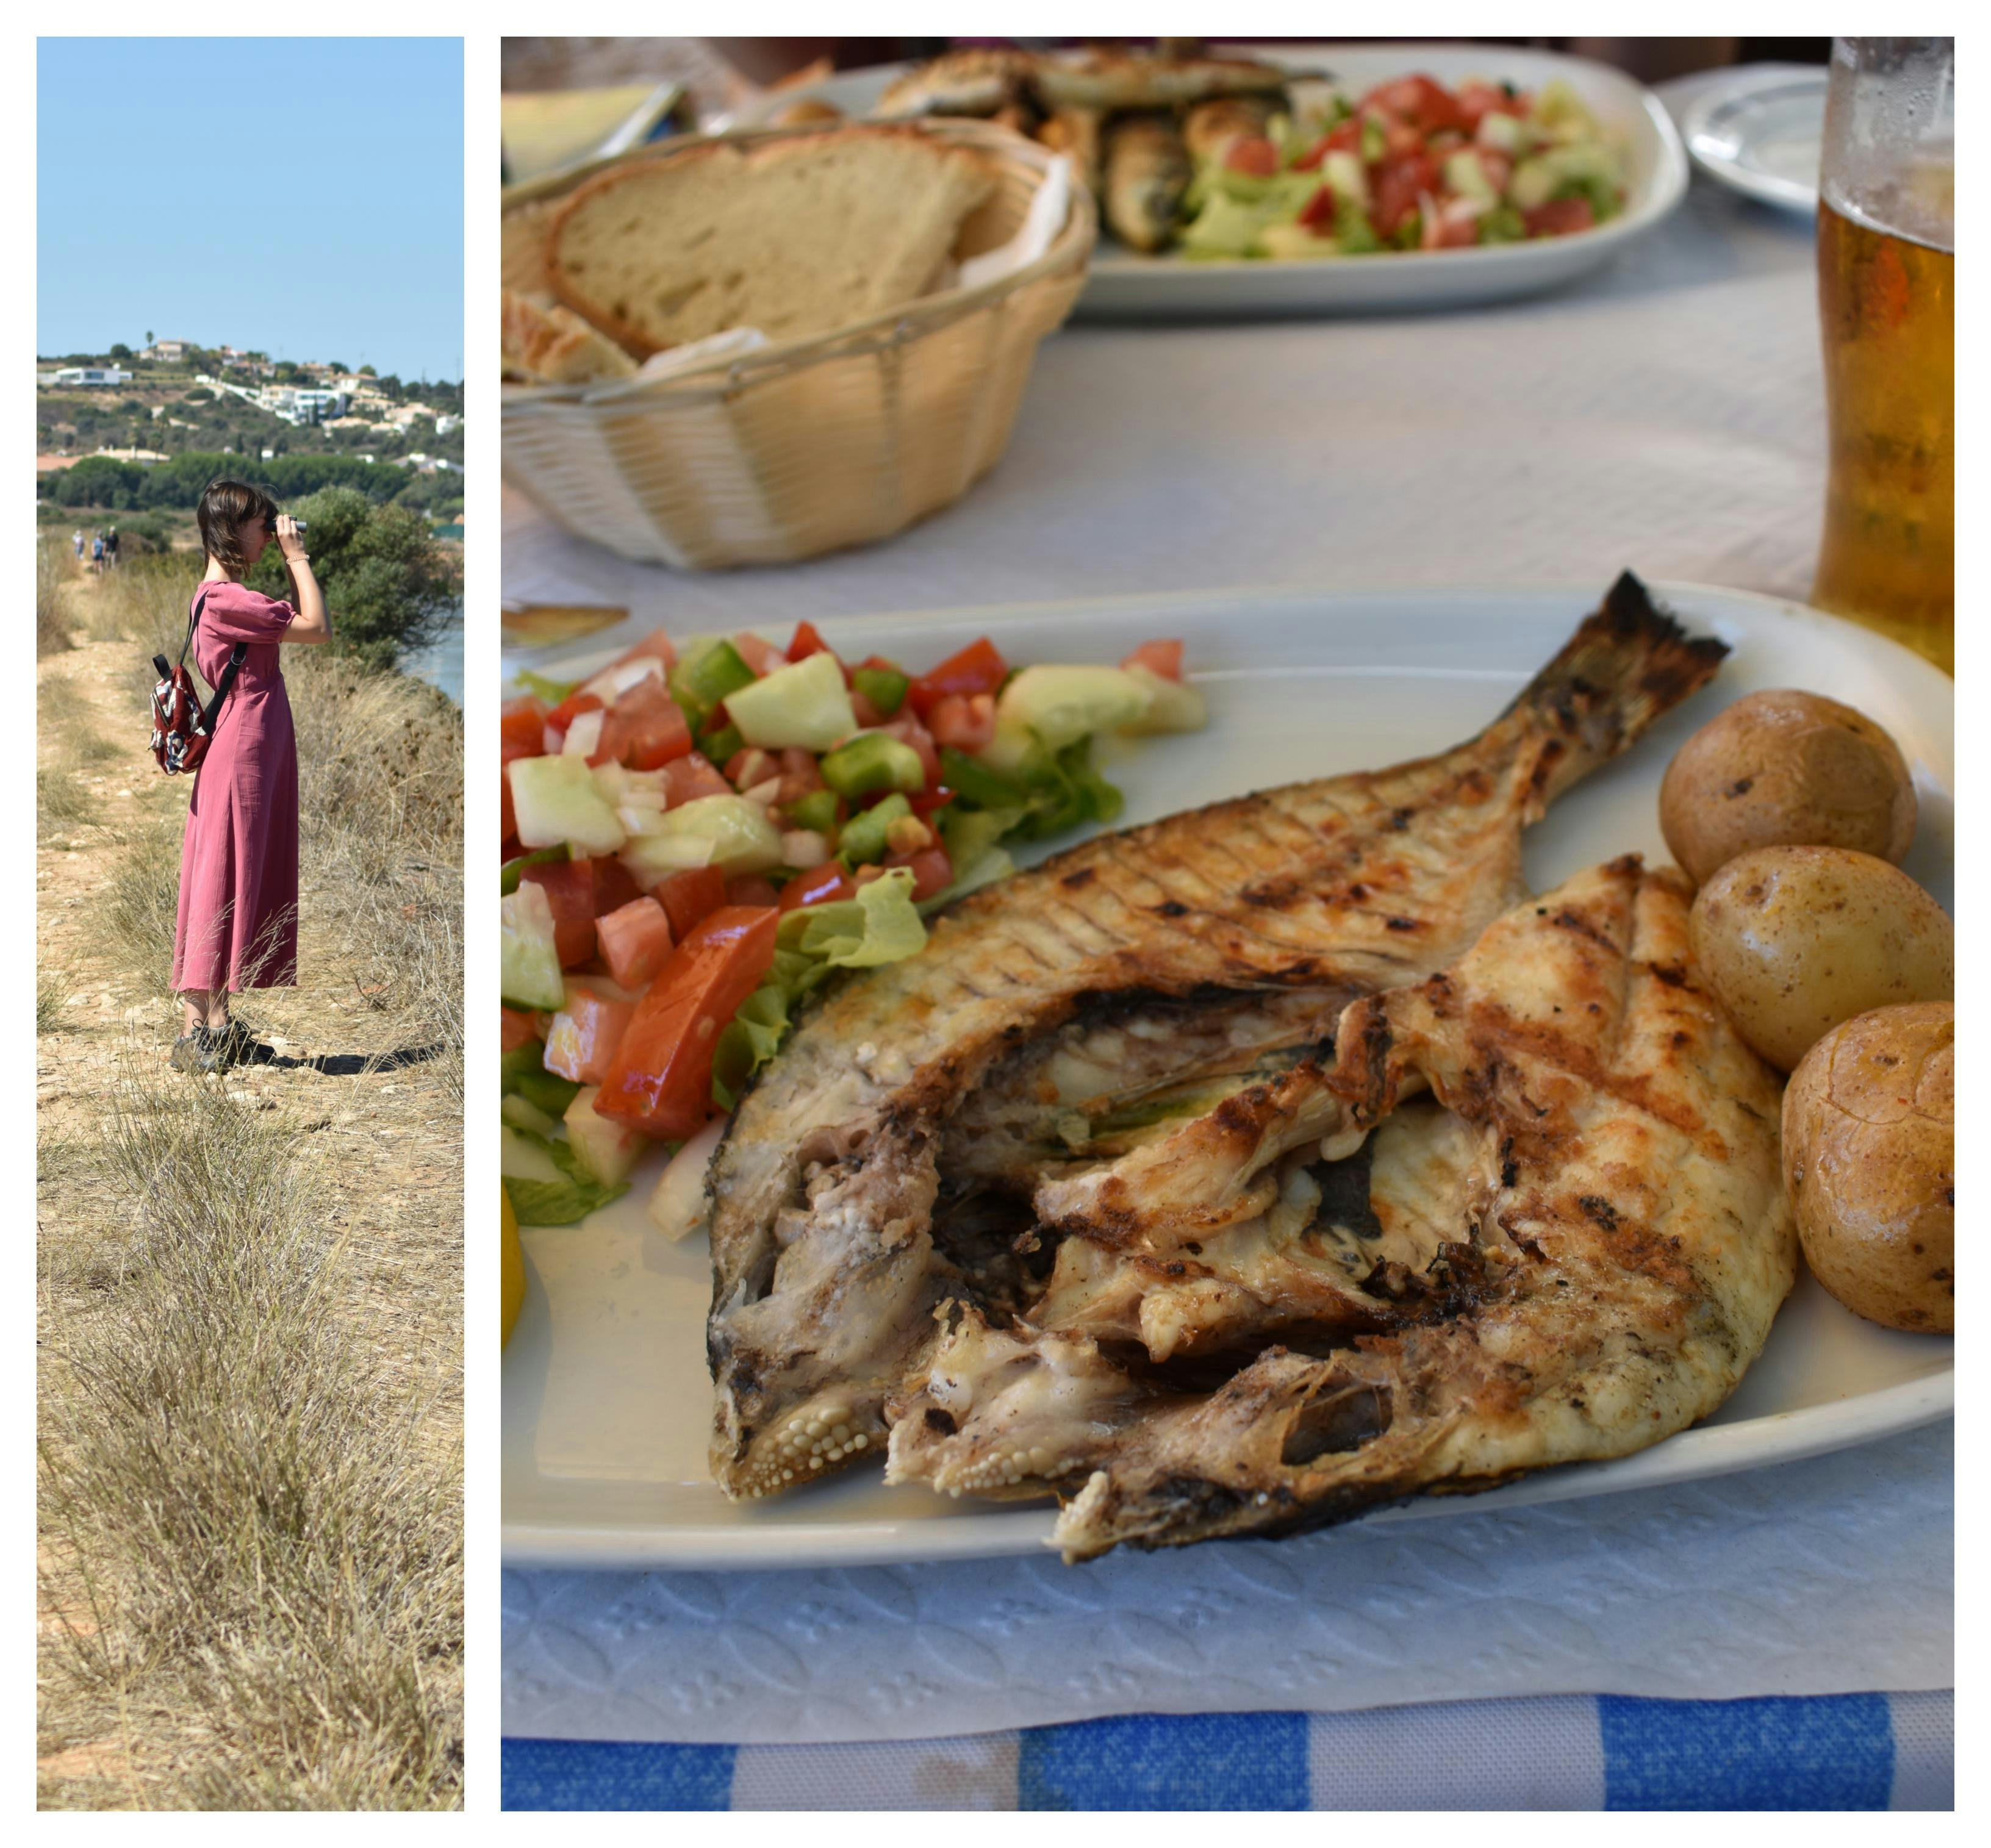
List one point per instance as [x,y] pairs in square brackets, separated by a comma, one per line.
[810,445]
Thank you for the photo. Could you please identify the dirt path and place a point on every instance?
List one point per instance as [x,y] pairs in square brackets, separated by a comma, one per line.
[391,1128]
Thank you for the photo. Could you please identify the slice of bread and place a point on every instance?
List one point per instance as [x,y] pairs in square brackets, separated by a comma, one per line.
[793,236]
[521,245]
[546,344]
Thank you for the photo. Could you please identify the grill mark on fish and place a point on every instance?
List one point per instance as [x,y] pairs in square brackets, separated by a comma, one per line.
[1012,961]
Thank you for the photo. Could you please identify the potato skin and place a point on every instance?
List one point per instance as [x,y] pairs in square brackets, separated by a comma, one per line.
[1869,1163]
[1783,768]
[1795,940]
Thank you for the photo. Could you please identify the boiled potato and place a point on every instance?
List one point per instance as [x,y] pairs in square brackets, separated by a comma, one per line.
[1786,769]
[1870,1160]
[1795,940]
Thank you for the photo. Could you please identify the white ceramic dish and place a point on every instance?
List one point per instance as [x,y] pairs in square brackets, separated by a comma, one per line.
[606,1401]
[1759,132]
[1123,285]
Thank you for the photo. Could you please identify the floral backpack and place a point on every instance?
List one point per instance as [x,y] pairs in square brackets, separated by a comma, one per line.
[182,729]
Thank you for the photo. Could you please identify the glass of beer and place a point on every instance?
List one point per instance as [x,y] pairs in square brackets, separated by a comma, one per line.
[1887,294]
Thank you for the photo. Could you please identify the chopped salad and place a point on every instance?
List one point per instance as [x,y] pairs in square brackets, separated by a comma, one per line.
[695,839]
[1410,166]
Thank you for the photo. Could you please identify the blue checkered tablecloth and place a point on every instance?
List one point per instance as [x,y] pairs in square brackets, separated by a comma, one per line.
[1839,1751]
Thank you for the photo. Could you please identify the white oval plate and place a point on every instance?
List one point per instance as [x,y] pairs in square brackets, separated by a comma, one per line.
[606,1402]
[1759,132]
[1124,285]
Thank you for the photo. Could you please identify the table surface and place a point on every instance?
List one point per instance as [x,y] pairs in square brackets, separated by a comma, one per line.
[1665,414]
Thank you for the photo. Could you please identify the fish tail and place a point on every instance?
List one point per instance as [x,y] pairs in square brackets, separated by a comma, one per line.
[1629,663]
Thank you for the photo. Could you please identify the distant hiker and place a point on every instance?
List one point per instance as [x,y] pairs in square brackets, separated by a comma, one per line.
[97,553]
[111,548]
[79,545]
[238,912]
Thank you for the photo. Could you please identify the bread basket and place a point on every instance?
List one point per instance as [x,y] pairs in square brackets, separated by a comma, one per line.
[809,445]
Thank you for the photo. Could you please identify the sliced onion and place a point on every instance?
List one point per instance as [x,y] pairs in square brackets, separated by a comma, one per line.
[678,1206]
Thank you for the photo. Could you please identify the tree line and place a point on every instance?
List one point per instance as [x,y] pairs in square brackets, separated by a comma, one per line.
[101,481]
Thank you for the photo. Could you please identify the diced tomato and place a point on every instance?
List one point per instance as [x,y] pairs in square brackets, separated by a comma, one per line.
[506,811]
[965,723]
[763,657]
[660,1080]
[868,715]
[689,897]
[562,716]
[1318,213]
[1252,153]
[928,800]
[645,729]
[977,668]
[521,723]
[1448,229]
[1477,101]
[614,885]
[1558,217]
[818,885]
[750,765]
[801,775]
[909,730]
[687,778]
[635,942]
[1419,103]
[1161,657]
[657,645]
[517,1031]
[586,1033]
[752,889]
[569,890]
[1345,139]
[933,872]
[806,642]
[1396,187]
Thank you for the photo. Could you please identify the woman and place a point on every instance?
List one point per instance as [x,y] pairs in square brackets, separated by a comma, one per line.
[238,915]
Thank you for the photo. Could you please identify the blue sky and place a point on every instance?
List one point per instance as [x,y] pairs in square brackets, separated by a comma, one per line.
[302,196]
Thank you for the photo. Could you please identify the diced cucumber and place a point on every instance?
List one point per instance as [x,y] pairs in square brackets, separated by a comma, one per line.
[520,1159]
[522,1113]
[806,704]
[885,687]
[1375,144]
[862,840]
[742,839]
[701,681]
[1294,242]
[1176,706]
[528,970]
[556,800]
[1061,705]
[815,812]
[607,1149]
[1507,134]
[1345,174]
[514,869]
[1533,182]
[652,858]
[871,761]
[1465,174]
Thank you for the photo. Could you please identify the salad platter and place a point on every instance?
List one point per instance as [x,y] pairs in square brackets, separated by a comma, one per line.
[607,1402]
[1622,128]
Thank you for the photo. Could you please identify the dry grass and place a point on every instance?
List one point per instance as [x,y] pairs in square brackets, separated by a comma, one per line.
[266,1531]
[251,1499]
[54,564]
[61,801]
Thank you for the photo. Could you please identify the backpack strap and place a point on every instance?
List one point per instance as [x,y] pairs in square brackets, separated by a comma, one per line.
[200,596]
[228,673]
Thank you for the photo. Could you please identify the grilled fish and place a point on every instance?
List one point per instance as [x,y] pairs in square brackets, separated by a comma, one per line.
[1210,128]
[1111,80]
[1076,133]
[1147,173]
[891,1155]
[974,81]
[1574,1248]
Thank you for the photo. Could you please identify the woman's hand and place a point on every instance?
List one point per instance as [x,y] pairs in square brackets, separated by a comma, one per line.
[290,540]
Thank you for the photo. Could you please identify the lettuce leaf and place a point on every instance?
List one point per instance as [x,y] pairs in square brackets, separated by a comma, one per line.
[554,692]
[564,1202]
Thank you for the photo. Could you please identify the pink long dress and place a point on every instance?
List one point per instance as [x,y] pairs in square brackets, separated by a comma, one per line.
[238,918]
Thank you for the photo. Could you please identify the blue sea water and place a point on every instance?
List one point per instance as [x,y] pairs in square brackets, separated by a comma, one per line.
[441,663]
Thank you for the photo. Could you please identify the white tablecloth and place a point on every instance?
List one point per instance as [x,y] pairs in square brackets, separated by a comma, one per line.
[1666,415]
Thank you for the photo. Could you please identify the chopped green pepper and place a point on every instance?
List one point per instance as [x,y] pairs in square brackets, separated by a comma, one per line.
[817,811]
[873,761]
[720,746]
[885,687]
[700,683]
[547,1090]
[863,838]
[974,781]
[515,868]
[521,1061]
